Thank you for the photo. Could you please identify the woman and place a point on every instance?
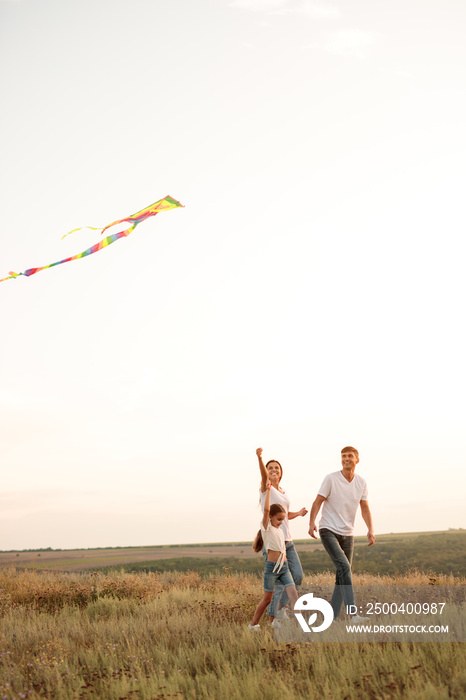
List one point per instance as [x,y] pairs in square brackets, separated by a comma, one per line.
[272,472]
[276,571]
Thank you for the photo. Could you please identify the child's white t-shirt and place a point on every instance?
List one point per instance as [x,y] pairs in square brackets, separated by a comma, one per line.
[277,496]
[343,497]
[274,540]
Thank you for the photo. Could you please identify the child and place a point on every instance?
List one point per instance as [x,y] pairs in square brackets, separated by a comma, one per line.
[276,567]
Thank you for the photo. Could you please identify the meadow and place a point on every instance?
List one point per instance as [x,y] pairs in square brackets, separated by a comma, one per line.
[437,553]
[394,553]
[149,635]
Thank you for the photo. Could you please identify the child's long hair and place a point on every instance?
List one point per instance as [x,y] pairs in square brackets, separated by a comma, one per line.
[259,542]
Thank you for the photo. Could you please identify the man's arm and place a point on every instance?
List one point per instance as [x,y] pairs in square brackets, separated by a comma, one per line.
[314,511]
[367,517]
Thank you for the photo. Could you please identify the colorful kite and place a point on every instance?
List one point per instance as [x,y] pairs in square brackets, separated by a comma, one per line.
[162,205]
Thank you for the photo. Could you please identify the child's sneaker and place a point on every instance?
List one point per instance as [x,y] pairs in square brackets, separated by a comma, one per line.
[276,624]
[255,628]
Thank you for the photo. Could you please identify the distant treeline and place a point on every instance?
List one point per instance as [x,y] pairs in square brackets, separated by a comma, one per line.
[390,536]
[154,546]
[439,553]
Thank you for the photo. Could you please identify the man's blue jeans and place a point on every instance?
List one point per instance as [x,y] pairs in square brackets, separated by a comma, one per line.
[340,550]
[280,596]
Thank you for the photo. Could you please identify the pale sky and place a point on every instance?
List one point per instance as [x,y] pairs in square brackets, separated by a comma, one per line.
[310,295]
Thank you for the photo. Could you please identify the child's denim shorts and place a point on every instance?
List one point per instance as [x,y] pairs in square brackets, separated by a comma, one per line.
[271,578]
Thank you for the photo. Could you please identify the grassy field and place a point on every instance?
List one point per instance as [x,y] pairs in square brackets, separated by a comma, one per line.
[86,559]
[435,553]
[180,635]
[439,552]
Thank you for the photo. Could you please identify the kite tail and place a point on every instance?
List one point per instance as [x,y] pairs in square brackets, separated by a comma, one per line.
[89,251]
[12,276]
[162,205]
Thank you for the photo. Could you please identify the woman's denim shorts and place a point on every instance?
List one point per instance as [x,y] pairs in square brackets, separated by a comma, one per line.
[271,578]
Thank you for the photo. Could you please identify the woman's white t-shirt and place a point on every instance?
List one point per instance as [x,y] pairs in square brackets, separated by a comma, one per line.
[277,496]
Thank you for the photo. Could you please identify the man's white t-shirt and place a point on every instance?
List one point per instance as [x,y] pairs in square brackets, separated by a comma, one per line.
[339,510]
[277,496]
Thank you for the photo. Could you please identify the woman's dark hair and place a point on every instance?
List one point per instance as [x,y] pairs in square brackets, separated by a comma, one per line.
[274,509]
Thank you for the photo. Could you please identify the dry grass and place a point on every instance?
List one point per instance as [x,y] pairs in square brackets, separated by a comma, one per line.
[69,636]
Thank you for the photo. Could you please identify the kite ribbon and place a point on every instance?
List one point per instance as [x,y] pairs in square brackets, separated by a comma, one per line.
[162,205]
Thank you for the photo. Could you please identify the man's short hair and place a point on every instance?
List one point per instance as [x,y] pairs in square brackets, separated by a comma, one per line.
[350,449]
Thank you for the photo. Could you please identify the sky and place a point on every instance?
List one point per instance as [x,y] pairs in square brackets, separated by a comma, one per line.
[308,296]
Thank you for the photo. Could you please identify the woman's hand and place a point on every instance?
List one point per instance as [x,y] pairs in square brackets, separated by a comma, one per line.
[259,452]
[297,513]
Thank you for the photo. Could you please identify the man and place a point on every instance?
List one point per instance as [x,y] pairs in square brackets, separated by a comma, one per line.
[341,493]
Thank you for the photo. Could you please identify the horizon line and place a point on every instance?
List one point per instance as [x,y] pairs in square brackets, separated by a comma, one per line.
[213,544]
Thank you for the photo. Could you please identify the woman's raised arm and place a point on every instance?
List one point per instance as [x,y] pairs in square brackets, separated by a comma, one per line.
[264,472]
